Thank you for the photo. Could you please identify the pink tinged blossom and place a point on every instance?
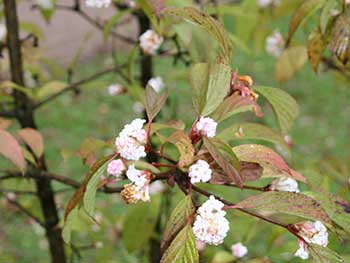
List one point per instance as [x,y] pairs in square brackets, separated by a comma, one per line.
[131,140]
[98,3]
[206,126]
[303,251]
[210,225]
[285,184]
[115,167]
[239,250]
[139,187]
[150,42]
[274,44]
[115,89]
[200,172]
[200,245]
[156,83]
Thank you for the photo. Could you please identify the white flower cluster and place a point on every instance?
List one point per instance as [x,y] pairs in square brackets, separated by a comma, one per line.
[199,172]
[115,167]
[312,232]
[131,140]
[156,83]
[139,186]
[3,31]
[150,42]
[98,3]
[115,89]
[274,44]
[265,3]
[206,126]
[210,225]
[45,4]
[285,184]
[239,250]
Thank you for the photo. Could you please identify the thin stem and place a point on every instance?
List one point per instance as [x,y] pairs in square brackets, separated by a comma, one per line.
[248,187]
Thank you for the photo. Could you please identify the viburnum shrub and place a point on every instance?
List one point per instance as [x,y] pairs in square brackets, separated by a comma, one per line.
[190,159]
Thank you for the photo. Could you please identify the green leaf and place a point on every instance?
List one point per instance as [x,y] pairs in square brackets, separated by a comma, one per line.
[326,16]
[183,249]
[218,85]
[210,24]
[70,224]
[9,84]
[10,149]
[108,27]
[289,62]
[199,74]
[315,48]
[91,186]
[235,104]
[296,204]
[302,13]
[273,164]
[178,219]
[225,158]
[32,28]
[154,102]
[249,131]
[50,88]
[321,254]
[139,224]
[185,147]
[284,106]
[33,139]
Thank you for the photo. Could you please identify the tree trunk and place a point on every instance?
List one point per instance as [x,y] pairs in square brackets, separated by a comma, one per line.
[25,116]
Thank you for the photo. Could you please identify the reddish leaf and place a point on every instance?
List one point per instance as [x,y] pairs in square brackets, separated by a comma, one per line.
[88,149]
[11,150]
[33,139]
[154,102]
[273,164]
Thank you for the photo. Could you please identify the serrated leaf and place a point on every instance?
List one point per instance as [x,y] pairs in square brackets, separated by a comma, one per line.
[210,24]
[235,104]
[10,149]
[252,131]
[178,219]
[218,86]
[288,203]
[321,254]
[185,147]
[33,139]
[284,106]
[79,193]
[154,102]
[199,77]
[289,62]
[225,158]
[273,164]
[183,249]
[139,224]
[303,12]
[340,44]
[315,48]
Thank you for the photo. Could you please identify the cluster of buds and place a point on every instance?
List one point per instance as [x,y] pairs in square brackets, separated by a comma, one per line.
[274,44]
[284,184]
[311,232]
[242,85]
[138,189]
[98,3]
[150,41]
[210,225]
[131,140]
[115,168]
[239,250]
[199,172]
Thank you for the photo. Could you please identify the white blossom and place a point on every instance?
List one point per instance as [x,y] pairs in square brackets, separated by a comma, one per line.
[285,184]
[131,140]
[115,89]
[239,250]
[206,126]
[138,107]
[156,83]
[136,176]
[199,172]
[210,225]
[303,251]
[115,167]
[98,3]
[45,4]
[150,42]
[265,3]
[3,31]
[274,44]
